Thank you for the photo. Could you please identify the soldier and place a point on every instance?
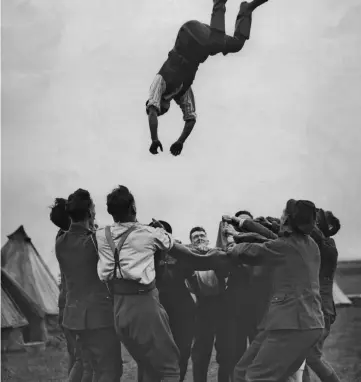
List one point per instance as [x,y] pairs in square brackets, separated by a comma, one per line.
[88,311]
[177,300]
[327,226]
[126,262]
[289,329]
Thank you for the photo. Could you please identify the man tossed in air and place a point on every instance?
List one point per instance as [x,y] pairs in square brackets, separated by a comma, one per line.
[195,42]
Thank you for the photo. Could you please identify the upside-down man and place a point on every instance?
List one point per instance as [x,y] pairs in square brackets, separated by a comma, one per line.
[195,42]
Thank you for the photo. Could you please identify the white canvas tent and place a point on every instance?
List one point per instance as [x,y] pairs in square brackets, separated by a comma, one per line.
[22,261]
[339,297]
[22,319]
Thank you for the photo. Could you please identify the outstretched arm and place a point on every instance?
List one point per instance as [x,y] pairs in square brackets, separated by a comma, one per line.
[269,252]
[214,259]
[188,106]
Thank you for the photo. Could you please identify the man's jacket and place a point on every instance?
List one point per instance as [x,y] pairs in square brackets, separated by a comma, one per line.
[88,303]
[329,256]
[295,301]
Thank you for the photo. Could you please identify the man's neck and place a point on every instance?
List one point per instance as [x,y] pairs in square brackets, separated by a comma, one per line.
[127,219]
[85,224]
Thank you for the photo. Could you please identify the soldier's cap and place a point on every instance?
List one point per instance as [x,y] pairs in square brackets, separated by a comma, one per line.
[302,215]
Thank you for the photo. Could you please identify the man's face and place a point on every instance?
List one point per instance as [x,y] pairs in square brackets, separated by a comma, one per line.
[199,238]
[92,215]
[283,218]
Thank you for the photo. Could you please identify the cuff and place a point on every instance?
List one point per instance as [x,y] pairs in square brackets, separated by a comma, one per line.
[241,222]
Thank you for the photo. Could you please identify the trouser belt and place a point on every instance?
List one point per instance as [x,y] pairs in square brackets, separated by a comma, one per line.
[126,287]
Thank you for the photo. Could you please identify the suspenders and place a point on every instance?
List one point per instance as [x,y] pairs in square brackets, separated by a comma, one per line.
[116,250]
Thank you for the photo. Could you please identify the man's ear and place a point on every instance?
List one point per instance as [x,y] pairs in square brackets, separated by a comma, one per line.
[133,209]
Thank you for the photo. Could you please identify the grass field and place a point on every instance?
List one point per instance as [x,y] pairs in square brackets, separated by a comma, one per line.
[343,350]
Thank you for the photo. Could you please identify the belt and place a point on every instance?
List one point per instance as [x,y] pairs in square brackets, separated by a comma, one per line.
[129,287]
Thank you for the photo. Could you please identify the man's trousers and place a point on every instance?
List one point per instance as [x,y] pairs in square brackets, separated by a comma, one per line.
[275,355]
[315,359]
[101,347]
[196,41]
[142,325]
[181,311]
[208,332]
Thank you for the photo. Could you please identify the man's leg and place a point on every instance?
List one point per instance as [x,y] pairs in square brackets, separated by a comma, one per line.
[242,28]
[315,359]
[231,342]
[281,354]
[239,373]
[142,324]
[181,313]
[183,332]
[88,371]
[204,338]
[103,346]
[76,370]
[218,15]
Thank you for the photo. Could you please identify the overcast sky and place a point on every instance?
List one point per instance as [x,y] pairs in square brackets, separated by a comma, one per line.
[279,120]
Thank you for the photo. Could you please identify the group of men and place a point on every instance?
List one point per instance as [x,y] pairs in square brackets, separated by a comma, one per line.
[262,297]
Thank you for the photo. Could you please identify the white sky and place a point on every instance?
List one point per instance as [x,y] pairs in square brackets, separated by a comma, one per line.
[279,120]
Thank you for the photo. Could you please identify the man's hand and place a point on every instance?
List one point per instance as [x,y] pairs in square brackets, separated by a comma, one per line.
[156,224]
[154,147]
[176,148]
[235,220]
[230,230]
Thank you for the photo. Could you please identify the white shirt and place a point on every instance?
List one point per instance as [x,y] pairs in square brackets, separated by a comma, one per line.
[137,254]
[208,283]
[157,96]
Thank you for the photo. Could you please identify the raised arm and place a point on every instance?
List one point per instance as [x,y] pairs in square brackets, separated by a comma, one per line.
[252,226]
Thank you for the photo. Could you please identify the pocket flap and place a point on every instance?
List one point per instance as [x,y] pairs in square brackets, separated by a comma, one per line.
[278,297]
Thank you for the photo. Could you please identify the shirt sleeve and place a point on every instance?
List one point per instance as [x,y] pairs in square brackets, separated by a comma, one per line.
[188,105]
[271,252]
[162,240]
[156,91]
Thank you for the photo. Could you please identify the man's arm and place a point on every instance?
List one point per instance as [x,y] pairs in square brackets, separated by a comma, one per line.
[153,109]
[214,259]
[270,252]
[252,226]
[188,106]
[153,122]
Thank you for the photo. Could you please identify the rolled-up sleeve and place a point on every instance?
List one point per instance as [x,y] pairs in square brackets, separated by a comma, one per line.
[156,91]
[188,105]
[163,240]
[106,257]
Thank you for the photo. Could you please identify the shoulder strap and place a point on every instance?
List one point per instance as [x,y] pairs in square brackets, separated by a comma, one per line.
[116,250]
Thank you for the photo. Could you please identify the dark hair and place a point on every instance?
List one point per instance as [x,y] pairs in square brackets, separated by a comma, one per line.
[79,204]
[334,222]
[195,229]
[239,213]
[119,202]
[58,214]
[301,215]
[166,226]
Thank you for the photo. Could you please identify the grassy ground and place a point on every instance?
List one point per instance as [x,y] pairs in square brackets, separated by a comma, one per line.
[343,350]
